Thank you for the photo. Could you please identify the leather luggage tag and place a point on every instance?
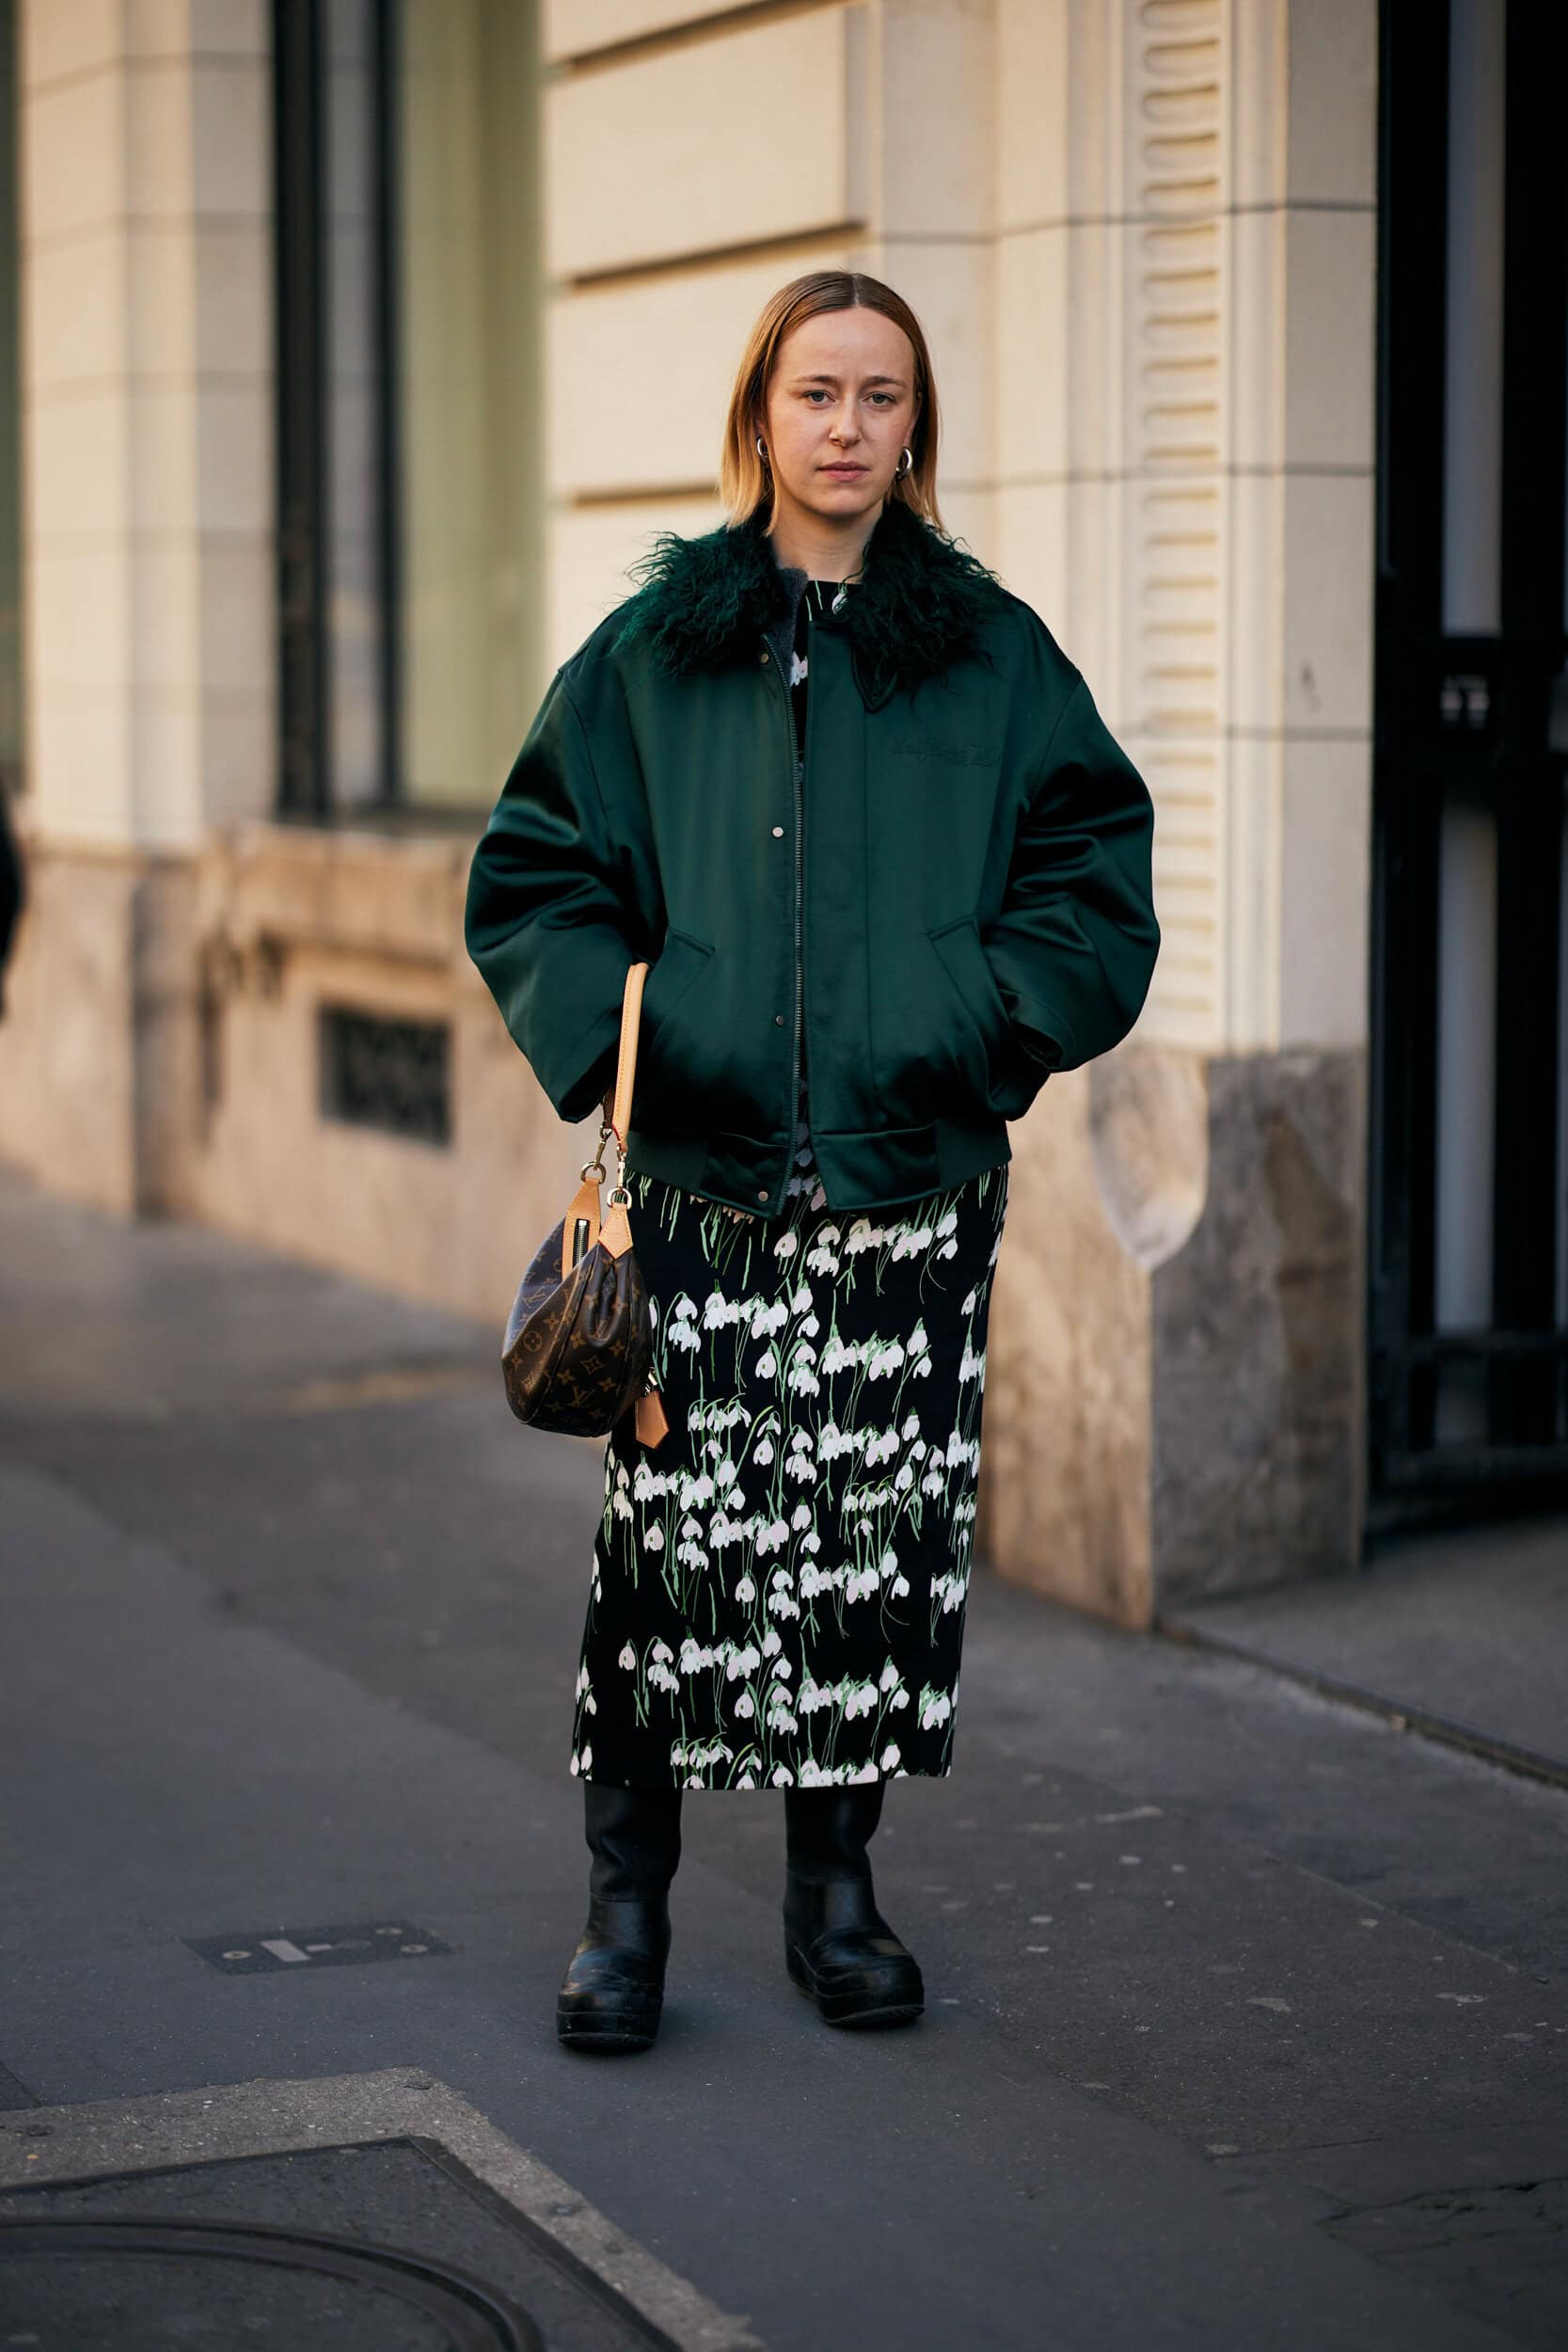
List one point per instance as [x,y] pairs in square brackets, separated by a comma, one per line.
[653,1423]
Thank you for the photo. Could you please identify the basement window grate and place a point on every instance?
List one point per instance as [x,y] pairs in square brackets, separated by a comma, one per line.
[392,1076]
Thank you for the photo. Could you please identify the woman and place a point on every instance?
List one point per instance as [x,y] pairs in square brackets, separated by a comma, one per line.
[856,807]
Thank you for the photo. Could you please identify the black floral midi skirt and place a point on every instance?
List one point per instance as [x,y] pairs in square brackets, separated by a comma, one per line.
[779,1588]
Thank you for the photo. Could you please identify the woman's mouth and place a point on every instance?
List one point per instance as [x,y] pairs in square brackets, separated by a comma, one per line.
[846,469]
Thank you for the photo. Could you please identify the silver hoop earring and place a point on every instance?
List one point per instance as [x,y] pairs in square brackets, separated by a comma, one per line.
[762,449]
[909,467]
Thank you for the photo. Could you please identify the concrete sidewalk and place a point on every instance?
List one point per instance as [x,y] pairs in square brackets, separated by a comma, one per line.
[1464,1633]
[1246,2018]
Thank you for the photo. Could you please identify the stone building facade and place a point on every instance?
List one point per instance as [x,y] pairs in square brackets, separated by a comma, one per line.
[1142,235]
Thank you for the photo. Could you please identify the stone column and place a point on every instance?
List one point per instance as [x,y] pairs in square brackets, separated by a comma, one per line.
[148,515]
[1185,441]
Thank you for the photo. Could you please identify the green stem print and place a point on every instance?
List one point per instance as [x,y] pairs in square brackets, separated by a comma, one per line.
[778,1589]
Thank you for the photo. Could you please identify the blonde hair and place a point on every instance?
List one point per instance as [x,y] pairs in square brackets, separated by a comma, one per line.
[745,483]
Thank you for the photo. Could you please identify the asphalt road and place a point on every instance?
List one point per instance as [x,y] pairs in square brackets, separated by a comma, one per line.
[1246,2019]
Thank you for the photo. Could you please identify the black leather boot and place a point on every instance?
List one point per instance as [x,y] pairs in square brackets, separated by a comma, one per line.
[838,1949]
[613,1990]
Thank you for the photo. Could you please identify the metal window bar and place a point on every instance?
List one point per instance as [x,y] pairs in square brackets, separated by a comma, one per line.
[394,1075]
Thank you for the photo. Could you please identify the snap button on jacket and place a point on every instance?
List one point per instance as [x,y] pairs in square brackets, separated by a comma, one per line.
[968,906]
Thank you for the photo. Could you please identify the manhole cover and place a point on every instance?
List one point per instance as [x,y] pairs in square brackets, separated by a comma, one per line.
[372,2246]
[120,2281]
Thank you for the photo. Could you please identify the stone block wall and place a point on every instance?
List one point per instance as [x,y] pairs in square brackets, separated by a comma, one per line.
[1140,234]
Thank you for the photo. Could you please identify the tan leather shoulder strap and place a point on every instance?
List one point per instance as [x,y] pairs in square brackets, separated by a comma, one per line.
[615,1230]
[631,1015]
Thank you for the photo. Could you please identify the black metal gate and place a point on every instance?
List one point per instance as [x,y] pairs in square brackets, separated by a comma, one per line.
[1469,1167]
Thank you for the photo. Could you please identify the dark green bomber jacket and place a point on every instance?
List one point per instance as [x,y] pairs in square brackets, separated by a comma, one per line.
[953,902]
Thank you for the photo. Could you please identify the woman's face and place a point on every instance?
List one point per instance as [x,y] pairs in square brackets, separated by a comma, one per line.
[841,408]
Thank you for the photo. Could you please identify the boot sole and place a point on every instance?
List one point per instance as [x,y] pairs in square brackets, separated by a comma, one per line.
[625,2032]
[851,2009]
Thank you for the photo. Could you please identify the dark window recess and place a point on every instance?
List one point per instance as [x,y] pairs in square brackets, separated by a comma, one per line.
[334,210]
[1469,1160]
[394,1075]
[12,735]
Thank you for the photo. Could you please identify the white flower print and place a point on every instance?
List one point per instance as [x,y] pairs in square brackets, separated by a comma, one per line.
[786,1575]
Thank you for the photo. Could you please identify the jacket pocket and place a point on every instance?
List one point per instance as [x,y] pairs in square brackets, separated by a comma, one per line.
[1002,1077]
[963,958]
[672,973]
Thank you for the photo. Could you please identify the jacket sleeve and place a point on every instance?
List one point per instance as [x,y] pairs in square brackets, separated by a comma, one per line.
[544,920]
[1074,945]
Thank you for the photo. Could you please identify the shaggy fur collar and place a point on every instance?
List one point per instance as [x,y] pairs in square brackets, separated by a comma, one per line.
[921,603]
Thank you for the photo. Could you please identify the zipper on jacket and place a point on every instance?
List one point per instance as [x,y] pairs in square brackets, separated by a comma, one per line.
[797,765]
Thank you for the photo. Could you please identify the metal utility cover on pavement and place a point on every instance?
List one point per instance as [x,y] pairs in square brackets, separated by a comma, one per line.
[255,1951]
[390,2245]
[392,2165]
